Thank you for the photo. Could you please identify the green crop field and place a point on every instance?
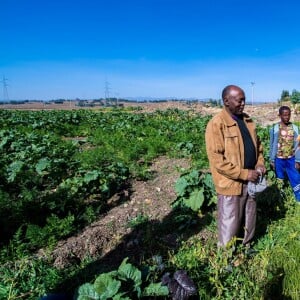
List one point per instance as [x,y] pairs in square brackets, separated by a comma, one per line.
[58,169]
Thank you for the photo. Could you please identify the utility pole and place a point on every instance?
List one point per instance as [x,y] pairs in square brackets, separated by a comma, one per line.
[252,92]
[117,99]
[5,92]
[106,91]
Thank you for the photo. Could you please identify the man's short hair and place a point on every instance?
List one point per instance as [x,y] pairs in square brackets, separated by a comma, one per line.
[283,108]
[227,90]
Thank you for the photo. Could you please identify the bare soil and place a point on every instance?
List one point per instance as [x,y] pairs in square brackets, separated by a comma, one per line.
[112,235]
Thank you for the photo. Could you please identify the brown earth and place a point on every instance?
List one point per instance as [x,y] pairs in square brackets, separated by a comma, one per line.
[112,233]
[110,238]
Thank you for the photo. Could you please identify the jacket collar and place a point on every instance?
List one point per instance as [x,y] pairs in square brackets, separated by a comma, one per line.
[229,121]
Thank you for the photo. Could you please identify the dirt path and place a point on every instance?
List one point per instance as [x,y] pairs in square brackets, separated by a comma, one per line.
[149,200]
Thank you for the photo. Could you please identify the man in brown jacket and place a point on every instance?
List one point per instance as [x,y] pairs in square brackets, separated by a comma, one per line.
[235,157]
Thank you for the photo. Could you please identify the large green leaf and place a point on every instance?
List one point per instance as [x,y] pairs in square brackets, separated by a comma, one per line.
[42,165]
[13,169]
[90,176]
[106,286]
[3,141]
[87,292]
[156,289]
[186,183]
[196,199]
[208,181]
[180,186]
[128,271]
[193,177]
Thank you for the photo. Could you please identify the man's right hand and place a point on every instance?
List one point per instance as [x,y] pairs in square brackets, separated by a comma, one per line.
[272,165]
[253,175]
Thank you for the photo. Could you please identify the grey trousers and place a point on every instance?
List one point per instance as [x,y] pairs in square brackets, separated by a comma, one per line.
[232,212]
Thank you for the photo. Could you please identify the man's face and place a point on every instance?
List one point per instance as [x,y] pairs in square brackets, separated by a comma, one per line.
[235,101]
[285,116]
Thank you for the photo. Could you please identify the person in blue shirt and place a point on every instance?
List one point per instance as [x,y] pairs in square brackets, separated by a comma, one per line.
[283,143]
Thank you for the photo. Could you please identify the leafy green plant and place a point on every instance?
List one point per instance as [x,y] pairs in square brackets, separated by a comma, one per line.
[138,220]
[283,241]
[58,168]
[27,278]
[54,229]
[195,190]
[124,283]
[231,274]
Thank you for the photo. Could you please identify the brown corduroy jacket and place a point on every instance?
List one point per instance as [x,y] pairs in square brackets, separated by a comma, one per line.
[225,151]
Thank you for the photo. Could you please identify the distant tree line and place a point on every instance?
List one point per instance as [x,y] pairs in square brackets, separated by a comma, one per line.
[294,97]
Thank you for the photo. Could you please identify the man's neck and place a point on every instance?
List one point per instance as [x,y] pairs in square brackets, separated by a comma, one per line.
[285,124]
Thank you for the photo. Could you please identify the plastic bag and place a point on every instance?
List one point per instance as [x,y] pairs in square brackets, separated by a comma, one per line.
[181,287]
[255,188]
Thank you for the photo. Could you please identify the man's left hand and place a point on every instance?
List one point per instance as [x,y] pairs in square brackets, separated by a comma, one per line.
[261,168]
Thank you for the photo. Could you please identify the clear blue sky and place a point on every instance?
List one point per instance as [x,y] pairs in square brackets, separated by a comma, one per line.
[157,48]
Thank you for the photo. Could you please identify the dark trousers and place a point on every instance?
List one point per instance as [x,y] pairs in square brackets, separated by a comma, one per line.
[232,212]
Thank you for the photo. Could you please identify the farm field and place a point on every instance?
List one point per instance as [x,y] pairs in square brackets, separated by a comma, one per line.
[91,187]
[264,113]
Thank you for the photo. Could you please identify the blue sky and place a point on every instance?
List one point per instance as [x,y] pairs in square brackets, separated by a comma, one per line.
[148,48]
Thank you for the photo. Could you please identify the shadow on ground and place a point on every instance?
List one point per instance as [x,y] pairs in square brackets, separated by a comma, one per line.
[147,239]
[158,238]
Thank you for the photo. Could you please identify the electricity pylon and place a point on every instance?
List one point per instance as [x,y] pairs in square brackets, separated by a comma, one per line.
[106,92]
[5,91]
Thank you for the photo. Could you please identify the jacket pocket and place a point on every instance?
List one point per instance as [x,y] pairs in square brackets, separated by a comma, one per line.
[231,141]
[232,148]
